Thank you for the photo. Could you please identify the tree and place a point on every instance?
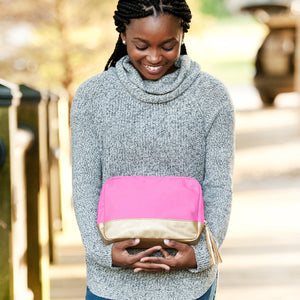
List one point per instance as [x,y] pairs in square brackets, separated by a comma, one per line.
[69,39]
[215,8]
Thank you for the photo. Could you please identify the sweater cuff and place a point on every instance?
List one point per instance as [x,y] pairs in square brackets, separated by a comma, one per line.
[202,256]
[108,254]
[102,256]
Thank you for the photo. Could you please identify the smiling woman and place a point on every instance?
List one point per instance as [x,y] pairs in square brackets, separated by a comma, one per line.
[152,112]
[153,44]
[129,11]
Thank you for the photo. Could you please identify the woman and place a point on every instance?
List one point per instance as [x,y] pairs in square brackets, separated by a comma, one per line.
[153,112]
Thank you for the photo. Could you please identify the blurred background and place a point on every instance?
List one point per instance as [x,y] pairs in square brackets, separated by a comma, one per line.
[48,47]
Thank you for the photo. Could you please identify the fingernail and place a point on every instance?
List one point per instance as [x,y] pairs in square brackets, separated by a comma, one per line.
[137,241]
[166,241]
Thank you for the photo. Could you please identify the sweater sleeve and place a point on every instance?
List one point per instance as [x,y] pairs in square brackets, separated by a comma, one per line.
[86,169]
[217,184]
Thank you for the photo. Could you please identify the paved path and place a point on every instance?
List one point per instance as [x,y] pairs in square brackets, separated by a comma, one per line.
[67,275]
[262,249]
[261,253]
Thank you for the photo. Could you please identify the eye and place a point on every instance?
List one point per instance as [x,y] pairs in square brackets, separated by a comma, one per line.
[141,48]
[168,48]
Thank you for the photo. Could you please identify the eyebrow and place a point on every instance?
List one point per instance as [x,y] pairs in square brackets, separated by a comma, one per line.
[145,41]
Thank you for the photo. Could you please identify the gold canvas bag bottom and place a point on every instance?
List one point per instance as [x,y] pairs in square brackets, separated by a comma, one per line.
[151,232]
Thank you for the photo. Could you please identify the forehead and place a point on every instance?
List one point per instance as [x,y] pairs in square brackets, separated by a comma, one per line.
[164,25]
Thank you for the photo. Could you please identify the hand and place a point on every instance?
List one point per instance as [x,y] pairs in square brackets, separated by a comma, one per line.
[185,257]
[121,257]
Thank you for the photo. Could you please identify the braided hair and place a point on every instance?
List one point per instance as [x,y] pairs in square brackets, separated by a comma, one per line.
[135,9]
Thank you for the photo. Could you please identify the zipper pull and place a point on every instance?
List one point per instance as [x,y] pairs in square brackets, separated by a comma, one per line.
[215,257]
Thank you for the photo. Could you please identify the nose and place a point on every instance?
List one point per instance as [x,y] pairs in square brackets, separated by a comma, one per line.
[154,56]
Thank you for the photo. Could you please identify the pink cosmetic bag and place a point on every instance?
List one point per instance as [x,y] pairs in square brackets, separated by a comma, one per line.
[152,209]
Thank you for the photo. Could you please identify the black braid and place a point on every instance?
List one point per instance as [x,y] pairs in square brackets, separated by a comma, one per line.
[120,49]
[135,9]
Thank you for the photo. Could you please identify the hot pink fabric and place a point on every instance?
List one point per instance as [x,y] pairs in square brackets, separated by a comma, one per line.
[132,197]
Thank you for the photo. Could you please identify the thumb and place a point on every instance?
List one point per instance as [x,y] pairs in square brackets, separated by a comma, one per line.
[174,244]
[127,243]
[132,242]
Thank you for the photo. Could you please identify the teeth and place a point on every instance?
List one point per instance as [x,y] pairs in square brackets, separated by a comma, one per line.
[150,68]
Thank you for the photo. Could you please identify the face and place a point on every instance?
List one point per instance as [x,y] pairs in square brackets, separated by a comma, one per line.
[154,44]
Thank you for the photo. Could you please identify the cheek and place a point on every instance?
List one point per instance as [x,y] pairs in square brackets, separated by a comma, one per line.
[172,57]
[134,54]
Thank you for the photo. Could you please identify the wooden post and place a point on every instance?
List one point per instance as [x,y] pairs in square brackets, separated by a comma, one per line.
[23,140]
[55,214]
[5,196]
[65,167]
[24,182]
[19,141]
[296,11]
[32,116]
[297,53]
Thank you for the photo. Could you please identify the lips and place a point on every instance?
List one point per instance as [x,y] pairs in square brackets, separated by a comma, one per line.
[153,69]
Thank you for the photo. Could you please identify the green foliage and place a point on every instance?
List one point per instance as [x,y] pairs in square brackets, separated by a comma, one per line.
[215,8]
[70,41]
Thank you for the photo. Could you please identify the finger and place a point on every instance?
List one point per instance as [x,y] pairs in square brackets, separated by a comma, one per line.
[151,267]
[132,242]
[137,270]
[127,243]
[133,258]
[151,250]
[164,252]
[171,261]
[175,244]
[151,259]
[147,252]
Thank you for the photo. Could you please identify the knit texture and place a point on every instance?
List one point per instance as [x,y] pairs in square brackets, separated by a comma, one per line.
[179,125]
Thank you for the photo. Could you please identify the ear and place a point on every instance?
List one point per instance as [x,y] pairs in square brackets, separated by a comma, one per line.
[123,36]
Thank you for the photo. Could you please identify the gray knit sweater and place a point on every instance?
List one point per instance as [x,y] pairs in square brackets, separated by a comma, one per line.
[180,125]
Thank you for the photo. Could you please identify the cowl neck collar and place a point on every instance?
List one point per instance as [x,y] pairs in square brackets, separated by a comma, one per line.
[163,90]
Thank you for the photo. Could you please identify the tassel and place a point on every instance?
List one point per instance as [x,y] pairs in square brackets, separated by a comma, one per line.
[215,257]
